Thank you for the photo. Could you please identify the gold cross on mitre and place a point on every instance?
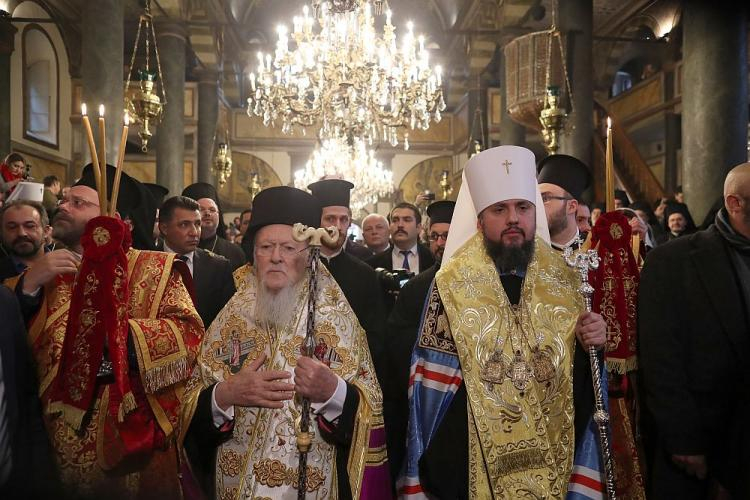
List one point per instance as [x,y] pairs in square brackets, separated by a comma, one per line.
[507,165]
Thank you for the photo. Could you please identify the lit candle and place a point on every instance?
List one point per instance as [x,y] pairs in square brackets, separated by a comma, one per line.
[92,150]
[252,81]
[118,166]
[388,15]
[609,173]
[439,73]
[103,159]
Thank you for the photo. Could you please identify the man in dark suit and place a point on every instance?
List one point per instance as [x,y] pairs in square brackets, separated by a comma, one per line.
[406,253]
[213,229]
[26,466]
[401,334]
[356,279]
[694,346]
[180,226]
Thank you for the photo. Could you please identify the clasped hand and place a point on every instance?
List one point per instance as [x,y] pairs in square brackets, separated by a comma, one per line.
[252,386]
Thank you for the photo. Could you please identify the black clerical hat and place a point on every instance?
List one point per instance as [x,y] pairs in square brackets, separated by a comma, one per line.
[200,190]
[565,171]
[675,207]
[129,195]
[134,202]
[441,211]
[623,197]
[332,192]
[157,191]
[284,205]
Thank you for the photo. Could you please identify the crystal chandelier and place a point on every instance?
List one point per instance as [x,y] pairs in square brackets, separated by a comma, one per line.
[348,79]
[356,164]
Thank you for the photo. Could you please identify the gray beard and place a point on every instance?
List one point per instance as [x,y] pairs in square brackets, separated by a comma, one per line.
[276,310]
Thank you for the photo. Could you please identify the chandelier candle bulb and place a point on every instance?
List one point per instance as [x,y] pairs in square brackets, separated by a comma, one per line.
[92,151]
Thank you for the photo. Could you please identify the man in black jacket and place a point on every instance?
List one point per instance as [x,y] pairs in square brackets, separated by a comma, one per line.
[401,334]
[356,279]
[406,253]
[212,223]
[26,466]
[694,345]
[180,226]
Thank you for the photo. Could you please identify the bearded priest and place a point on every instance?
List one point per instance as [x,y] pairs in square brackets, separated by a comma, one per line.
[246,397]
[491,391]
[114,335]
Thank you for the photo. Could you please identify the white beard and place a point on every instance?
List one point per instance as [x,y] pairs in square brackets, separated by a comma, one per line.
[276,309]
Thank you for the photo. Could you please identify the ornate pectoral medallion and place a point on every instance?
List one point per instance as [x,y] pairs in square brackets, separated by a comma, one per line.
[542,365]
[494,370]
[520,372]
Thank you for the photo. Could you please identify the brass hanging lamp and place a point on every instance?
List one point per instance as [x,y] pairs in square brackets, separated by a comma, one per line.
[146,104]
[537,84]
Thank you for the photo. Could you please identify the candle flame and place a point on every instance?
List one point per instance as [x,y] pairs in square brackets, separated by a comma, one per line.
[127,118]
[609,122]
[101,110]
[83,109]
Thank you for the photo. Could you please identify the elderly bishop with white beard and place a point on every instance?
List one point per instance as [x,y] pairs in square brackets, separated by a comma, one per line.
[246,399]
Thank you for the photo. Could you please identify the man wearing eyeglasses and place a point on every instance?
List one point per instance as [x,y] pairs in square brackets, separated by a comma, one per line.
[114,338]
[253,377]
[401,334]
[562,180]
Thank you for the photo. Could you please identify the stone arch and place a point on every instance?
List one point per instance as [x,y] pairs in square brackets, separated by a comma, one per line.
[233,194]
[426,175]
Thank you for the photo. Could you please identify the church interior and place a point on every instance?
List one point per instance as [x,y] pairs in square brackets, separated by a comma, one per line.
[209,100]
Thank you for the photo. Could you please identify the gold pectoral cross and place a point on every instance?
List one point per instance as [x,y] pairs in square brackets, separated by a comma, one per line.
[507,165]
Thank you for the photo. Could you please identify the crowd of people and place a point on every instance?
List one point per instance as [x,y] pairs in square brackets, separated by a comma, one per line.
[158,353]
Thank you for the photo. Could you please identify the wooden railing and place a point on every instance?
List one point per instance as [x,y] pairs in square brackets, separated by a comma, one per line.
[635,175]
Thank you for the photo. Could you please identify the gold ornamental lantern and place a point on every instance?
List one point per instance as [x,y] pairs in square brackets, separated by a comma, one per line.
[255,185]
[146,104]
[537,84]
[223,163]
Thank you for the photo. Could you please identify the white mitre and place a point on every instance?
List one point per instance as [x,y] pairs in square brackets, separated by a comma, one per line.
[494,175]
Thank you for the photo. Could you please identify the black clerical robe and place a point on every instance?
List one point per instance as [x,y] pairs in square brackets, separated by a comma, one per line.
[225,248]
[360,285]
[401,334]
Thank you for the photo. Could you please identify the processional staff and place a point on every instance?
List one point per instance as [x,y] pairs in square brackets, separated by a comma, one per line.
[315,236]
[583,262]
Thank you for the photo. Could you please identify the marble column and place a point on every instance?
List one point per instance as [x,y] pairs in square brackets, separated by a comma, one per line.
[7,37]
[208,113]
[511,133]
[170,141]
[672,139]
[576,21]
[714,100]
[102,62]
